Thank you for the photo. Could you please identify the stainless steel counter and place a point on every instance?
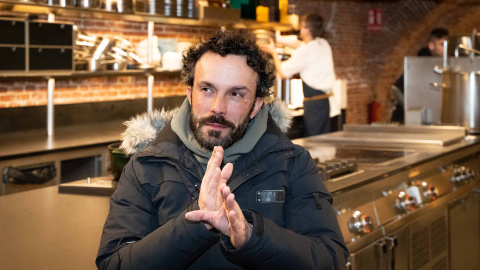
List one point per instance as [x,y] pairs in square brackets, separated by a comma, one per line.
[416,146]
[17,144]
[42,229]
[412,199]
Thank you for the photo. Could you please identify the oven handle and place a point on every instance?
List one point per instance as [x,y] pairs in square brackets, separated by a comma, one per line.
[392,243]
[381,250]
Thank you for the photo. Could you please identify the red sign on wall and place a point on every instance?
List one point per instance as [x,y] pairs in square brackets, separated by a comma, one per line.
[374,20]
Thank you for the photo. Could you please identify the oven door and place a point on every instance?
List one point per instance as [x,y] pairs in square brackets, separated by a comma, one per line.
[388,253]
[464,227]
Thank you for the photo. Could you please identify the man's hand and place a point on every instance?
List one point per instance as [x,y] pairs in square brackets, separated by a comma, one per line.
[218,208]
[240,230]
[210,198]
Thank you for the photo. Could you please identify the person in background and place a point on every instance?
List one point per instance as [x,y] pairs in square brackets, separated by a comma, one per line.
[216,184]
[433,48]
[435,43]
[313,60]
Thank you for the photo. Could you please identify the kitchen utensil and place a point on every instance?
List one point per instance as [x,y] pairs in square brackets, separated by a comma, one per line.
[469,49]
[460,99]
[88,3]
[118,159]
[120,6]
[62,3]
[454,42]
[114,64]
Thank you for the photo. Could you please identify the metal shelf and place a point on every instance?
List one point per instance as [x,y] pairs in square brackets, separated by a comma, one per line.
[26,8]
[96,13]
[55,74]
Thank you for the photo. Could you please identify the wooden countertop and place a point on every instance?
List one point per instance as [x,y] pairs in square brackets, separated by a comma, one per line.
[18,144]
[42,229]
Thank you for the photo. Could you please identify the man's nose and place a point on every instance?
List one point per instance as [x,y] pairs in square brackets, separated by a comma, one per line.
[218,105]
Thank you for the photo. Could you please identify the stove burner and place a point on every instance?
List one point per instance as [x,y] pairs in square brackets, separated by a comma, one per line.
[335,167]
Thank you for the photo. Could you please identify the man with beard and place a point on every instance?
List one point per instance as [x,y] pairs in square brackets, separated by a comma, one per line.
[216,184]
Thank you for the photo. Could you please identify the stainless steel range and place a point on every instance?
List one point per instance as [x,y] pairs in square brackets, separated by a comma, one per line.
[406,197]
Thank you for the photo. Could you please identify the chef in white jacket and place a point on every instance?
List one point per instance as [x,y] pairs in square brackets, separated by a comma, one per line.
[313,60]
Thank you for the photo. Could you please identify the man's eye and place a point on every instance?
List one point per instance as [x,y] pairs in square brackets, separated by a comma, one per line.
[205,89]
[237,94]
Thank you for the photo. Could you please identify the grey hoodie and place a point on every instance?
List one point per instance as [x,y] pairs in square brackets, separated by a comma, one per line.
[144,128]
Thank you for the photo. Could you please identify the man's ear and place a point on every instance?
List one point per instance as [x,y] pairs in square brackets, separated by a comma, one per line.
[431,46]
[256,106]
[189,95]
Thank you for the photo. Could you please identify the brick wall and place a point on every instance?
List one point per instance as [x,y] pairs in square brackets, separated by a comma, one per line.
[369,61]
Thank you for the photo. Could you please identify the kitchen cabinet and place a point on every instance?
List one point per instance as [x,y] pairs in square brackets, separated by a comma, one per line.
[390,252]
[70,164]
[78,12]
[464,217]
[428,241]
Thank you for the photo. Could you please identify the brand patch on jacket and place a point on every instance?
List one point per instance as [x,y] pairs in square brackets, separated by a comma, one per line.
[270,196]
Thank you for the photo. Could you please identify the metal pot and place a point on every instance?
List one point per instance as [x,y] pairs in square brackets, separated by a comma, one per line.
[114,65]
[461,100]
[62,3]
[120,6]
[118,159]
[88,3]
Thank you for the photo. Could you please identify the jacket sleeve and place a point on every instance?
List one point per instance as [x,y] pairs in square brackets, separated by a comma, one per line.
[311,237]
[132,238]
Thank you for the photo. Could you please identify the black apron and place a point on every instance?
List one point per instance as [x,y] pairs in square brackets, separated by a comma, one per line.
[316,116]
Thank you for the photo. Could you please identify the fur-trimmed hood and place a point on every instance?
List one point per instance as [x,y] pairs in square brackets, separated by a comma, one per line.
[144,128]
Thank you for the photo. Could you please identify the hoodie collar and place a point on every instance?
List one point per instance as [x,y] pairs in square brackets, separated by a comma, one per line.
[142,129]
[256,128]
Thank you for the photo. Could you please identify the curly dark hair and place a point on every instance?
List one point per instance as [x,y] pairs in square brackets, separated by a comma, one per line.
[232,41]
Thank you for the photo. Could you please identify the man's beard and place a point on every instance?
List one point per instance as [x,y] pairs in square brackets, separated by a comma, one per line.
[213,137]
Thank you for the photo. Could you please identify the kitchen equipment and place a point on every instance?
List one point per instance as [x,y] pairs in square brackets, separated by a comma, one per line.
[62,3]
[120,6]
[12,44]
[454,42]
[114,65]
[118,159]
[395,206]
[468,49]
[88,3]
[104,53]
[170,8]
[460,95]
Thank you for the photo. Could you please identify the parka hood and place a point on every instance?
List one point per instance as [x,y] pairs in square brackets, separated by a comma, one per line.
[142,129]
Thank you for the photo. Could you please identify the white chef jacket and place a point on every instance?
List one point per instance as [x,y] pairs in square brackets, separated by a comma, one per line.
[314,62]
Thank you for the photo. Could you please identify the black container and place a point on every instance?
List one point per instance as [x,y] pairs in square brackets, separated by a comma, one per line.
[13,58]
[52,34]
[12,31]
[118,159]
[51,59]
